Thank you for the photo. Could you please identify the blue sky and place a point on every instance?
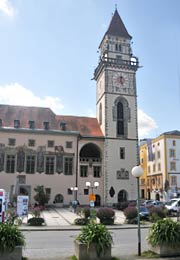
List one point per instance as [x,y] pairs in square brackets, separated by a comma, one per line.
[48,53]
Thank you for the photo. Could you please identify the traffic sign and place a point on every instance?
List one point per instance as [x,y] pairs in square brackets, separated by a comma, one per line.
[92,197]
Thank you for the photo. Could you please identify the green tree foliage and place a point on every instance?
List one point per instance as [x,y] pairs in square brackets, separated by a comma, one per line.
[41,196]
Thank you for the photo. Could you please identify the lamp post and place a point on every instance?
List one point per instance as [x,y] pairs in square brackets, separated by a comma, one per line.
[92,197]
[137,172]
[74,189]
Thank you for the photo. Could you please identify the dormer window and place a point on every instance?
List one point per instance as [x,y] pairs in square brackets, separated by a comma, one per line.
[16,123]
[31,124]
[46,125]
[0,122]
[63,125]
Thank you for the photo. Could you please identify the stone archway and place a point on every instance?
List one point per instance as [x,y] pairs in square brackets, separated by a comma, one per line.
[157,196]
[122,196]
[59,198]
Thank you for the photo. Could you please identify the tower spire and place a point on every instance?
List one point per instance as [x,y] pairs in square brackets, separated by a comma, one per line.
[117,27]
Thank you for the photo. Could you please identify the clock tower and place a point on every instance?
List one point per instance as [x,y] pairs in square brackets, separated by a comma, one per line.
[116,108]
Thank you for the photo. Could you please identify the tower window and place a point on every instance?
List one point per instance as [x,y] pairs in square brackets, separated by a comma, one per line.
[100,114]
[122,152]
[120,119]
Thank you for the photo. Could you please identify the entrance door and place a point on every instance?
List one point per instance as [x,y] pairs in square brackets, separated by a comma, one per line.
[97,202]
[122,196]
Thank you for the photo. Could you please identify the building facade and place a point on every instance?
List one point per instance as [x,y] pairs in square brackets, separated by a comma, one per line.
[38,147]
[160,159]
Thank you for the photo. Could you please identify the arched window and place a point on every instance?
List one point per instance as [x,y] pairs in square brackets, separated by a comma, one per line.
[121,114]
[100,114]
[120,119]
[58,198]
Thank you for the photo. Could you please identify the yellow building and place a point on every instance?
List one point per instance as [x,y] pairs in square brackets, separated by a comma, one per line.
[160,159]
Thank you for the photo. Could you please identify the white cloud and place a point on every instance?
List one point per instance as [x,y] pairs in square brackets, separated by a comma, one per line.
[6,7]
[15,94]
[145,124]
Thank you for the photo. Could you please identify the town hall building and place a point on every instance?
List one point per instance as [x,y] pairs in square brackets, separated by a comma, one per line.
[63,153]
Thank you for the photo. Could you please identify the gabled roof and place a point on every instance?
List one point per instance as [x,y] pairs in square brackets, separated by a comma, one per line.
[86,126]
[174,132]
[117,27]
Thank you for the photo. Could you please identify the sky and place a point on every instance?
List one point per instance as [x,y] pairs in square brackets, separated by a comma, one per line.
[48,53]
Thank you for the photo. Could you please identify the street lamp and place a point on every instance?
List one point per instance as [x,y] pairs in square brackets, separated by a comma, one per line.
[74,189]
[137,172]
[92,197]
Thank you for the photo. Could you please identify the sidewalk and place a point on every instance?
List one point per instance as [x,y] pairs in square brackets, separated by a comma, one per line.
[63,219]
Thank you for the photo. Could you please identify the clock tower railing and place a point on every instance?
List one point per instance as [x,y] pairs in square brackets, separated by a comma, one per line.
[132,64]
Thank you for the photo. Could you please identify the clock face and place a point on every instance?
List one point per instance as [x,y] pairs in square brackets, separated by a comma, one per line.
[119,80]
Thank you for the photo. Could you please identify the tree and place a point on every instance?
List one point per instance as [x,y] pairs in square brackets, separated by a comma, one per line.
[41,196]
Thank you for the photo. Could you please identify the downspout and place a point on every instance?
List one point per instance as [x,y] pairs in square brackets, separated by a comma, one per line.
[77,164]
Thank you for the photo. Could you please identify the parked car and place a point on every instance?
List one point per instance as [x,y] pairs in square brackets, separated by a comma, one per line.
[147,203]
[157,203]
[144,213]
[173,205]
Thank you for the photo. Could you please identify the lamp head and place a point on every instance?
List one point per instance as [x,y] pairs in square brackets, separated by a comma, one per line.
[96,184]
[88,184]
[137,171]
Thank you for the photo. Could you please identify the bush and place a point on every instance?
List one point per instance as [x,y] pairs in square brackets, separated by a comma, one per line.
[130,213]
[86,212]
[36,221]
[81,221]
[10,237]
[106,216]
[157,213]
[165,232]
[105,213]
[97,234]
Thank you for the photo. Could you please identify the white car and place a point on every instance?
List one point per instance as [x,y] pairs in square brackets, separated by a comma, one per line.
[173,205]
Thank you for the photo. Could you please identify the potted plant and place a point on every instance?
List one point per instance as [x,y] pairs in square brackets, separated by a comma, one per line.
[94,242]
[164,237]
[11,242]
[36,220]
[106,216]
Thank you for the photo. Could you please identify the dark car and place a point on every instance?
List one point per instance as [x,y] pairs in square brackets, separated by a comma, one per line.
[144,213]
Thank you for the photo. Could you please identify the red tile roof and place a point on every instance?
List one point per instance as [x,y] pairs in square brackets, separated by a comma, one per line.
[86,126]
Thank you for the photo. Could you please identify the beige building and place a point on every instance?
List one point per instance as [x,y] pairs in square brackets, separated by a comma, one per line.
[160,159]
[38,147]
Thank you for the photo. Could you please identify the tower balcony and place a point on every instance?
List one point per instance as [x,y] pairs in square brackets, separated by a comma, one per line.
[105,61]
